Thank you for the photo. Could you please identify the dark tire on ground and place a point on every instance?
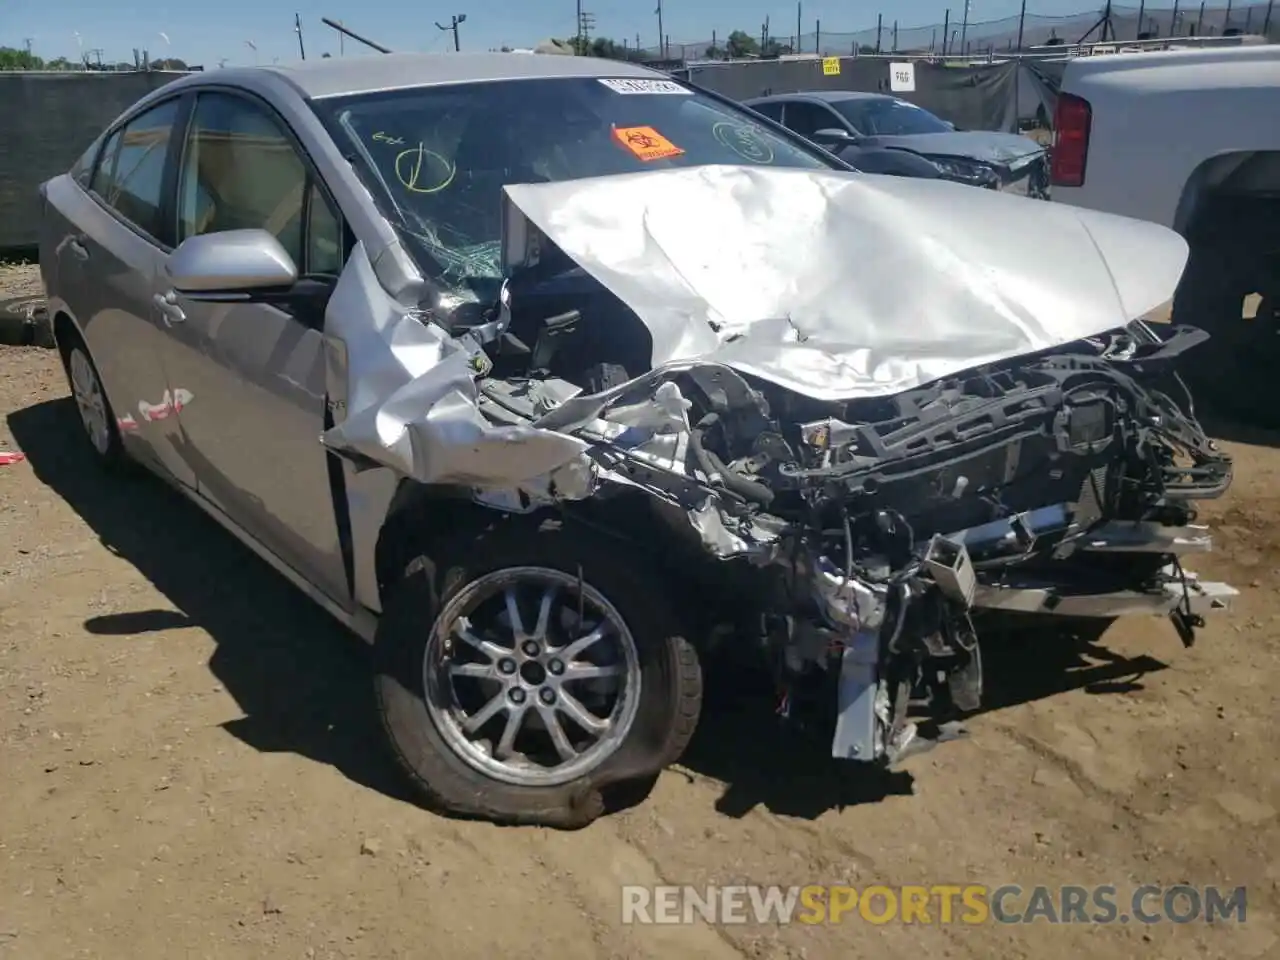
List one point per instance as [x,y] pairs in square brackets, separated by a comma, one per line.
[418,614]
[109,452]
[24,322]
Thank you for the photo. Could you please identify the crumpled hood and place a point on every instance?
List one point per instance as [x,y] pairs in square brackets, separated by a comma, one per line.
[1002,149]
[843,285]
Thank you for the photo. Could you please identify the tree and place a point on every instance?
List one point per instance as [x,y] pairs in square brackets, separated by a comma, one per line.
[14,59]
[170,63]
[714,52]
[612,50]
[740,45]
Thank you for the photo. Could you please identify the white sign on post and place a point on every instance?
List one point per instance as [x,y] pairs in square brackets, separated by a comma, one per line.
[902,77]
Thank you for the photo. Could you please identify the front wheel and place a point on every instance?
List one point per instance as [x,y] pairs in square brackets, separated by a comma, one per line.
[548,670]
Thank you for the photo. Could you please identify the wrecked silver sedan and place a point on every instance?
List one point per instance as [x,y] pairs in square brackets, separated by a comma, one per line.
[546,375]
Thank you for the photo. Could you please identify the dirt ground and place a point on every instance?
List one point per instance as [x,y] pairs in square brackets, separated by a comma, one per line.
[190,766]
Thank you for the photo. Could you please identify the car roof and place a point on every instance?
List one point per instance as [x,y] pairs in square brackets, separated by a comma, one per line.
[332,76]
[822,96]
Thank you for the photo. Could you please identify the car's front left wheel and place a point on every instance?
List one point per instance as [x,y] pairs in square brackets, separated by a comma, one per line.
[532,674]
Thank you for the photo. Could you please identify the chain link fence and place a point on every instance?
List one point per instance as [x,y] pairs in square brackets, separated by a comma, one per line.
[952,35]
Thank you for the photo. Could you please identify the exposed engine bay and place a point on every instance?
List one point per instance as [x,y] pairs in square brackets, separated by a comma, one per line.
[871,478]
[871,532]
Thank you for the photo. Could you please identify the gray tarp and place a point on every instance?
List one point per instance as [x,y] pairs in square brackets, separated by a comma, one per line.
[46,121]
[983,97]
[1043,79]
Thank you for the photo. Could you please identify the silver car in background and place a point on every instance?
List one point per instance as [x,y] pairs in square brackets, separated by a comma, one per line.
[546,374]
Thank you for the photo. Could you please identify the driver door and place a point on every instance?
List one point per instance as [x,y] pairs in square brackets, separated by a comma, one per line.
[247,380]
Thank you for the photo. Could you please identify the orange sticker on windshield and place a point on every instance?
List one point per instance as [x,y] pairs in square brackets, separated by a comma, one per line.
[646,143]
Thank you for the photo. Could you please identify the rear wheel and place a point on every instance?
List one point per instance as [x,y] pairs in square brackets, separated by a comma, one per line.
[547,674]
[96,416]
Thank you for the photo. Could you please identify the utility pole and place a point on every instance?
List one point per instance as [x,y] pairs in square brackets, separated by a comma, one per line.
[297,27]
[586,23]
[662,37]
[799,42]
[458,18]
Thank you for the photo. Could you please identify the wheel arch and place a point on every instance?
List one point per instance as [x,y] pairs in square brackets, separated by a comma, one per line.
[1236,174]
[435,521]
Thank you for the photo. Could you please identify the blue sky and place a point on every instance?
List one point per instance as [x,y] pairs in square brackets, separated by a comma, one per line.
[207,32]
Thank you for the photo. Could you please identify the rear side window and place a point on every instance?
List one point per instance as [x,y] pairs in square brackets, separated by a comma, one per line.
[82,169]
[771,110]
[130,174]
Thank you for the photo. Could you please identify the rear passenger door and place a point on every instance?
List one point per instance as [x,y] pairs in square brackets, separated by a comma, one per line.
[108,264]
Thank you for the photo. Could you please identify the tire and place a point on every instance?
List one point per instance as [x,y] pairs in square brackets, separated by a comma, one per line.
[419,707]
[24,322]
[103,435]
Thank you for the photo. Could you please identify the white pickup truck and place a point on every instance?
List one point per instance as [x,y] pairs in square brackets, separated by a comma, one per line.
[1191,139]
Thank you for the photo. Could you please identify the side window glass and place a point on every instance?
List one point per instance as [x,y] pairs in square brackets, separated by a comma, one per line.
[324,237]
[130,174]
[771,110]
[104,173]
[240,171]
[807,119]
[83,167]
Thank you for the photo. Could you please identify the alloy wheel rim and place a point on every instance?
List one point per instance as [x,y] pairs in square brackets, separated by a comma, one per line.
[531,676]
[89,400]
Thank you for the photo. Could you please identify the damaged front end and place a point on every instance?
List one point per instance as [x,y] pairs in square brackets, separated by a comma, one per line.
[865,539]
[881,530]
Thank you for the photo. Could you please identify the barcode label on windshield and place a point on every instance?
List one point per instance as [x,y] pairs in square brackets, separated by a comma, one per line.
[645,86]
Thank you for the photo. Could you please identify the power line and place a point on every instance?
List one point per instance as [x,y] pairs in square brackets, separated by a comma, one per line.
[586,23]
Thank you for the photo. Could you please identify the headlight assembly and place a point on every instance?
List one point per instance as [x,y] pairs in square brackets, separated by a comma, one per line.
[966,171]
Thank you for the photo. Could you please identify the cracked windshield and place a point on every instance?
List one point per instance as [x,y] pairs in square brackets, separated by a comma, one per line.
[440,156]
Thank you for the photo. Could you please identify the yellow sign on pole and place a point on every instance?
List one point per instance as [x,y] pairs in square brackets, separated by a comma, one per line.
[831,66]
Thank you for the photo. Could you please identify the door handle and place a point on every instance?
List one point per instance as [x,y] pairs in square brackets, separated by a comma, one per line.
[169,309]
[78,249]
